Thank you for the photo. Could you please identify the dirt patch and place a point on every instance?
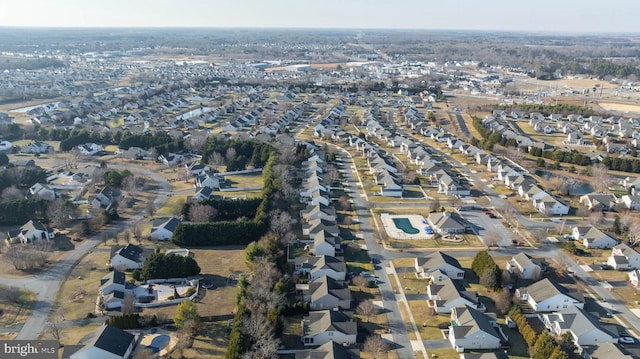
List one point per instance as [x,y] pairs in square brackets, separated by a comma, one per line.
[621,107]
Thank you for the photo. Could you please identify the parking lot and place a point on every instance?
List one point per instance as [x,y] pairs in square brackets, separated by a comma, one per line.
[483,224]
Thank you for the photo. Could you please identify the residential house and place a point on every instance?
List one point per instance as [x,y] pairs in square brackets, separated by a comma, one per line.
[171,159]
[327,266]
[447,294]
[29,232]
[104,198]
[36,148]
[107,342]
[599,201]
[318,211]
[202,194]
[211,180]
[631,202]
[439,261]
[496,355]
[446,222]
[525,266]
[115,281]
[90,149]
[449,186]
[326,293]
[549,205]
[592,237]
[585,328]
[624,257]
[317,225]
[634,277]
[127,258]
[605,351]
[325,244]
[328,350]
[324,326]
[163,228]
[472,330]
[545,296]
[41,191]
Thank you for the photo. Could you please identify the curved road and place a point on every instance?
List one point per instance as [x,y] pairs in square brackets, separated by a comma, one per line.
[46,284]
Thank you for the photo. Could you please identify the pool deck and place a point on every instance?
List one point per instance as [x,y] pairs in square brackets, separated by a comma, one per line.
[417,221]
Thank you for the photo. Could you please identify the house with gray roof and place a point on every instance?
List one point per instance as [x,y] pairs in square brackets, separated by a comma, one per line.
[525,266]
[446,222]
[546,295]
[592,237]
[585,328]
[472,330]
[41,191]
[163,228]
[326,293]
[321,266]
[319,211]
[599,201]
[605,351]
[317,225]
[328,350]
[326,244]
[624,257]
[129,257]
[439,261]
[447,294]
[106,342]
[323,326]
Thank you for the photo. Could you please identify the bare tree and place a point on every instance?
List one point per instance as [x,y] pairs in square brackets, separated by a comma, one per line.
[197,142]
[633,235]
[53,328]
[132,184]
[12,194]
[126,236]
[215,159]
[539,234]
[434,204]
[595,217]
[601,178]
[60,212]
[360,281]
[231,154]
[514,154]
[582,211]
[128,304]
[492,238]
[332,174]
[347,221]
[503,301]
[488,278]
[279,222]
[150,209]
[366,309]
[344,203]
[376,346]
[201,213]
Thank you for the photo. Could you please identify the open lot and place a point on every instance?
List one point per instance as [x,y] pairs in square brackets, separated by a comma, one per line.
[15,305]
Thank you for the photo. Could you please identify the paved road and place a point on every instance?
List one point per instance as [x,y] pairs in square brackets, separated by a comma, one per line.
[463,124]
[46,284]
[381,256]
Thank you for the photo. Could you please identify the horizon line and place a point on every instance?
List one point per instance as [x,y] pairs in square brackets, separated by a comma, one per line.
[212,27]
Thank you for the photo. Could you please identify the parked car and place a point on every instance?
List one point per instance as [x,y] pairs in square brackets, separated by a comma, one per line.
[626,340]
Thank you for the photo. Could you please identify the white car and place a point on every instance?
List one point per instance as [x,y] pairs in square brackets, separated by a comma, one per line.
[626,340]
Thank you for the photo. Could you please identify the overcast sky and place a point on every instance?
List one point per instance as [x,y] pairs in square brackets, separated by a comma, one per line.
[592,16]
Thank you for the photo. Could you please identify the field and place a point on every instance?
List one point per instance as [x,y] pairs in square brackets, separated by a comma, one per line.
[210,342]
[15,305]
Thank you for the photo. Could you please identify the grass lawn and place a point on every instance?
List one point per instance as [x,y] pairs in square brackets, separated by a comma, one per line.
[216,264]
[172,206]
[419,309]
[357,260]
[468,240]
[443,353]
[15,305]
[72,335]
[77,296]
[210,342]
[292,332]
[245,180]
[8,336]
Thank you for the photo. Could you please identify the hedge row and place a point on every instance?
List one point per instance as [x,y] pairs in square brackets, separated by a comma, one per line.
[228,209]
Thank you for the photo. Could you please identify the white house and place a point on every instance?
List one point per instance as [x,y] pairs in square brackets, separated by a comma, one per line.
[107,342]
[170,159]
[330,349]
[41,191]
[115,281]
[326,293]
[29,232]
[631,202]
[591,237]
[37,147]
[546,296]
[104,198]
[634,277]
[323,326]
[163,228]
[325,244]
[212,181]
[584,327]
[525,266]
[90,149]
[327,266]
[624,257]
[439,261]
[472,330]
[128,258]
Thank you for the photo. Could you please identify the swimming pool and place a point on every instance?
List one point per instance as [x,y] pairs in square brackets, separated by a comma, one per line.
[404,224]
[158,343]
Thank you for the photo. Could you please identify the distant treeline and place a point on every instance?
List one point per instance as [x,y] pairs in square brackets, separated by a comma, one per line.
[246,152]
[228,210]
[70,138]
[562,109]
